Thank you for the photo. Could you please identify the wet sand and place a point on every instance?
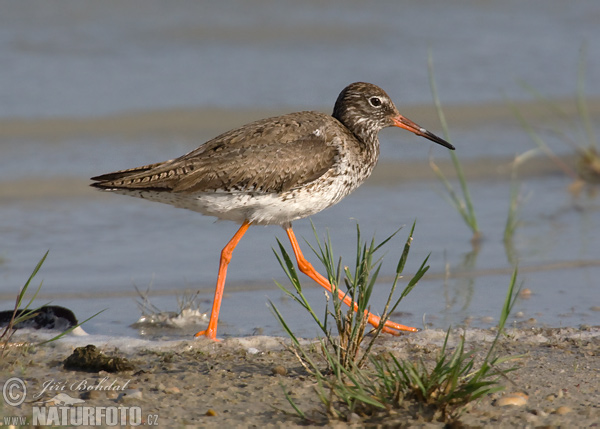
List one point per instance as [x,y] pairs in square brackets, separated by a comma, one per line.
[387,173]
[202,123]
[206,120]
[238,382]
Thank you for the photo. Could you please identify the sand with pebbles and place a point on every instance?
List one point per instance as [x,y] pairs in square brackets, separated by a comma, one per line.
[239,382]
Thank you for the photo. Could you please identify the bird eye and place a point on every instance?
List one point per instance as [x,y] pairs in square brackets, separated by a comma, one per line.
[375,101]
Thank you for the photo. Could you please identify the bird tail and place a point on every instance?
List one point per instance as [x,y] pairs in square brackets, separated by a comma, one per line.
[111,180]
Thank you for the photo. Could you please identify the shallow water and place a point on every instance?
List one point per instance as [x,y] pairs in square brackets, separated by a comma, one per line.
[85,58]
[93,88]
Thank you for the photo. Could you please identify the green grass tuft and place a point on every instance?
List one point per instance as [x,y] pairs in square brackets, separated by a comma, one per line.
[354,380]
[26,313]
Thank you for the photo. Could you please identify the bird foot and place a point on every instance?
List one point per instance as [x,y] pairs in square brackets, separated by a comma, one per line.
[211,334]
[390,327]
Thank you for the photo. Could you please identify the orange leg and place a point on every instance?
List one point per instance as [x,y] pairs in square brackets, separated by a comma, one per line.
[211,331]
[308,269]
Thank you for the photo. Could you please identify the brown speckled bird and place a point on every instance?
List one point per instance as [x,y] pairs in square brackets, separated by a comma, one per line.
[273,172]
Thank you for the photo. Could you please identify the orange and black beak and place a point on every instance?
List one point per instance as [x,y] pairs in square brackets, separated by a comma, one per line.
[407,124]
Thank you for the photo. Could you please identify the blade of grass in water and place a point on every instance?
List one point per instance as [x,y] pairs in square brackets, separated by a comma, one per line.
[463,205]
[582,104]
[541,144]
[585,144]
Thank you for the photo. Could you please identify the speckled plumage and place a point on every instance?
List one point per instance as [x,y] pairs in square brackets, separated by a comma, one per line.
[275,171]
[272,171]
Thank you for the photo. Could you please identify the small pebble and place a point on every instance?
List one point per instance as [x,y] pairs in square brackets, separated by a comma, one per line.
[211,413]
[515,399]
[525,293]
[279,370]
[252,351]
[112,394]
[595,308]
[173,389]
[562,410]
[551,397]
[353,418]
[128,395]
[531,418]
[92,394]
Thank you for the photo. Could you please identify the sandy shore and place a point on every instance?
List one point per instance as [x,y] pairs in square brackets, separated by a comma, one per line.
[238,382]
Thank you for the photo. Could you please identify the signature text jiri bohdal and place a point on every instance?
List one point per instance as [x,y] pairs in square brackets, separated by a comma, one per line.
[81,386]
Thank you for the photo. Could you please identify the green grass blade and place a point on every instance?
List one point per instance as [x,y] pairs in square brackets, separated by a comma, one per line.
[468,213]
[291,402]
[71,329]
[405,252]
[582,104]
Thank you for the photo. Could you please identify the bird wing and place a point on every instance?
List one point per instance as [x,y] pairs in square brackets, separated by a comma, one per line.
[270,155]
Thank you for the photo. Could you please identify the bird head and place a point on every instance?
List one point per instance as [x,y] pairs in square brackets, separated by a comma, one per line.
[365,109]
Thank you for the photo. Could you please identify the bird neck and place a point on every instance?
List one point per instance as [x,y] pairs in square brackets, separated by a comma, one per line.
[363,129]
[368,141]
